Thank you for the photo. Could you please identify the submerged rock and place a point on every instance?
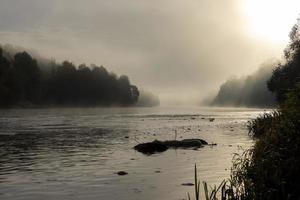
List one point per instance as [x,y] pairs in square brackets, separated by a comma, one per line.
[122,173]
[188,184]
[160,146]
[151,147]
[186,143]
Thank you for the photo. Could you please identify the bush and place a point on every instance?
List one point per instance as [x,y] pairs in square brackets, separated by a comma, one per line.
[271,169]
[262,124]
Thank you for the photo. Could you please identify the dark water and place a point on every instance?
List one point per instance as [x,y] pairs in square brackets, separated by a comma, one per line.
[75,153]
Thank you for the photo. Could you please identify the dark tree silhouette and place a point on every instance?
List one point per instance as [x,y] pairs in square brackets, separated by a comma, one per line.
[247,91]
[271,169]
[28,77]
[286,75]
[23,81]
[5,89]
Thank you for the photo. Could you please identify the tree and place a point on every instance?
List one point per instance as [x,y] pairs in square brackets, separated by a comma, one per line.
[286,75]
[5,91]
[28,75]
[24,81]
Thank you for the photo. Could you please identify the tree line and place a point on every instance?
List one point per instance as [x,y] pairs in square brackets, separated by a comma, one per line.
[271,169]
[26,82]
[250,91]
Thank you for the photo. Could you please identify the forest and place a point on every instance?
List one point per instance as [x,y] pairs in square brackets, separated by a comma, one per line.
[27,82]
[249,91]
[270,169]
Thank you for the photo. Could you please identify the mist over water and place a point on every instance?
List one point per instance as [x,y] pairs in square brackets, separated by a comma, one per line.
[169,47]
[83,82]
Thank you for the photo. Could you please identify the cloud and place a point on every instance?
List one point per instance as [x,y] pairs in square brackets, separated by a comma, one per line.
[178,49]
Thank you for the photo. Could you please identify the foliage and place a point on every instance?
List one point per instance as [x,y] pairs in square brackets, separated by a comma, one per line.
[247,91]
[23,82]
[272,169]
[263,123]
[227,190]
[286,75]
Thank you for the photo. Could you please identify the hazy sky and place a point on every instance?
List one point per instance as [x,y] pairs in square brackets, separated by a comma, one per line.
[181,49]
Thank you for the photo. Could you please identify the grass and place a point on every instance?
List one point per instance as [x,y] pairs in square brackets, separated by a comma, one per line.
[263,123]
[270,170]
[225,191]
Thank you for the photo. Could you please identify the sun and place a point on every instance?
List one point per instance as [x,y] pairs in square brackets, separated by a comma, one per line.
[270,19]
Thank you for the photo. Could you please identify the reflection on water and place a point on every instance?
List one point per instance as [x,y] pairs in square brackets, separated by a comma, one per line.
[75,153]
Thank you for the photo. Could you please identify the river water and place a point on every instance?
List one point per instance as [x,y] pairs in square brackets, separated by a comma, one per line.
[74,153]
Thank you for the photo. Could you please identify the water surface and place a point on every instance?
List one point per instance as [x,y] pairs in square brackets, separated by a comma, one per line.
[74,153]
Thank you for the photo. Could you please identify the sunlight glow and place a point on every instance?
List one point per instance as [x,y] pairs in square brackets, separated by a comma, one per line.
[271,19]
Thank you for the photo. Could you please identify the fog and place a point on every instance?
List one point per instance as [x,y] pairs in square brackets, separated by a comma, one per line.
[180,50]
[249,91]
[147,99]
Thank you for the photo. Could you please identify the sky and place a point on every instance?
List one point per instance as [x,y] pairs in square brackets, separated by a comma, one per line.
[181,50]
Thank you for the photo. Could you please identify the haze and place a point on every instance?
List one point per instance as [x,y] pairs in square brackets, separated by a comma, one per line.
[180,50]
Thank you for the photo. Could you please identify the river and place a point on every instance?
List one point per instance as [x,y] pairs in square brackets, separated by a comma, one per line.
[74,153]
